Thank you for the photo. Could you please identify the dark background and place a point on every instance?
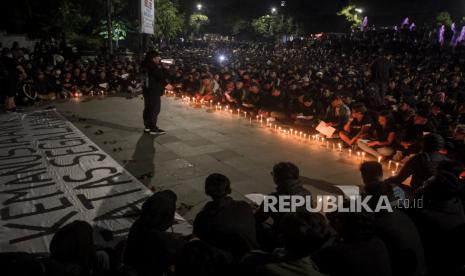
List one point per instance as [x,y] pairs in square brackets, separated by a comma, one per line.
[25,16]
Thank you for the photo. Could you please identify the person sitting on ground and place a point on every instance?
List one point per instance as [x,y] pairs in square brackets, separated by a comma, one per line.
[348,255]
[275,104]
[381,142]
[303,234]
[251,101]
[414,130]
[422,165]
[358,126]
[207,89]
[397,230]
[44,88]
[372,175]
[337,113]
[440,120]
[73,252]
[309,112]
[150,250]
[230,97]
[287,179]
[442,213]
[223,222]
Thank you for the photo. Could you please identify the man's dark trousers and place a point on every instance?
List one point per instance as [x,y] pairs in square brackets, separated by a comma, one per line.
[152,103]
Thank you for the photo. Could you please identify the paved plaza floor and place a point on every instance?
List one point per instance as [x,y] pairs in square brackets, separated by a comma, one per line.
[199,142]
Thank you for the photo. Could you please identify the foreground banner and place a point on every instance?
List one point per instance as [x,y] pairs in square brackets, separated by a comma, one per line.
[52,174]
[147,16]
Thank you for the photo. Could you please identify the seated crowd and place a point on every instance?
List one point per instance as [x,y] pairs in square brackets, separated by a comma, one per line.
[44,74]
[234,237]
[382,93]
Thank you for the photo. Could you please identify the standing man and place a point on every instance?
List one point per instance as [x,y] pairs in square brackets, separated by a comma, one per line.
[381,72]
[155,82]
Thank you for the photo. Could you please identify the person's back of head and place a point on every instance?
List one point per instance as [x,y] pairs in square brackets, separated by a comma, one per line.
[284,172]
[158,211]
[303,233]
[432,143]
[217,186]
[74,244]
[371,172]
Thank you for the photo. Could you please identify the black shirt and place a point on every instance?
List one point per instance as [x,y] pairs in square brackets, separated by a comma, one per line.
[356,125]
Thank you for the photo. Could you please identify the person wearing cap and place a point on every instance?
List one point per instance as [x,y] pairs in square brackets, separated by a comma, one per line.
[153,90]
[422,165]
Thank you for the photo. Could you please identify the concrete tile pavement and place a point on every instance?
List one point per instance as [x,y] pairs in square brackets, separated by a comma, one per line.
[199,143]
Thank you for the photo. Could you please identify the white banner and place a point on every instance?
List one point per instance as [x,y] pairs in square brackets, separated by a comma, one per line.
[52,174]
[147,16]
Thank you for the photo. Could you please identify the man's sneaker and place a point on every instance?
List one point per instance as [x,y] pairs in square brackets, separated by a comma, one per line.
[157,131]
[146,130]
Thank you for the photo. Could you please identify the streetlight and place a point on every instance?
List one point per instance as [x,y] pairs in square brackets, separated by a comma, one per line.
[199,6]
[359,10]
[273,10]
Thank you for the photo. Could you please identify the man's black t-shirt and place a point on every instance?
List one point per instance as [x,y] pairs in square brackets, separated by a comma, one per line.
[356,126]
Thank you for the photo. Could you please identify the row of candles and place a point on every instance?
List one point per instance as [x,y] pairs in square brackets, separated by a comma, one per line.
[392,166]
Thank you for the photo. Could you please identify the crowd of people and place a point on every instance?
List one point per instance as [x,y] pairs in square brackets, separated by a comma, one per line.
[49,72]
[381,92]
[391,94]
[234,237]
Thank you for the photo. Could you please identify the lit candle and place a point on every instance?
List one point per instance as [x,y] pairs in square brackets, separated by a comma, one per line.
[389,164]
[300,134]
[261,117]
[350,152]
[358,155]
[250,120]
[274,127]
[305,136]
[257,118]
[327,144]
[211,102]
[363,156]
[340,147]
[291,131]
[238,110]
[379,159]
[393,173]
[397,166]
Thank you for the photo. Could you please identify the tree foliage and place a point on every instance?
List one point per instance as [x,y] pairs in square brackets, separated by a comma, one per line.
[351,15]
[197,21]
[444,18]
[273,26]
[168,21]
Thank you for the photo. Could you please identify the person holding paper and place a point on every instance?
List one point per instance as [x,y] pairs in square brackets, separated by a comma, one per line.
[357,127]
[381,143]
[153,90]
[309,112]
[337,113]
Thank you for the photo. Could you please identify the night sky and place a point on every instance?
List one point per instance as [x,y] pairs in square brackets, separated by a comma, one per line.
[320,15]
[315,15]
